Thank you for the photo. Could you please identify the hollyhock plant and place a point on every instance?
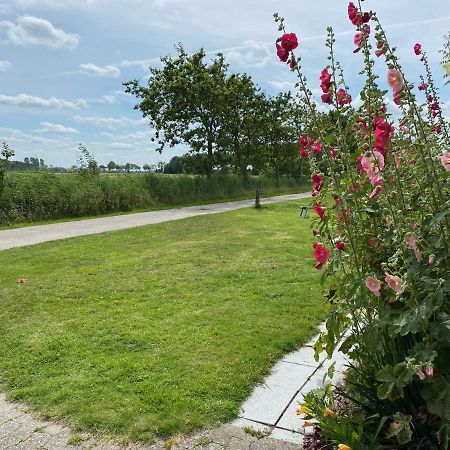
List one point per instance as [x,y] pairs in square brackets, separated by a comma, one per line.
[385,243]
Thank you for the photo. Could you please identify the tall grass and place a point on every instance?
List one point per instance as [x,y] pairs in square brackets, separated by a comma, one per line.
[28,197]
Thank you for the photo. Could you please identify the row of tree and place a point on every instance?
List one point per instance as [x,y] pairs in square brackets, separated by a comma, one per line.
[226,119]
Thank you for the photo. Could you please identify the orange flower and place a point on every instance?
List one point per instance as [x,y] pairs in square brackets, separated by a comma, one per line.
[343,447]
[329,412]
[307,424]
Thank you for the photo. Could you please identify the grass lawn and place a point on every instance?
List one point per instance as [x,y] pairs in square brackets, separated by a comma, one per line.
[157,330]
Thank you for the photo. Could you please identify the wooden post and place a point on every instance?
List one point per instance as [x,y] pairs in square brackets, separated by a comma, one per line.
[258,196]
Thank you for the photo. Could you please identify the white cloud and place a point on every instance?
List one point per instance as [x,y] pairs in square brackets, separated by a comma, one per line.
[4,65]
[143,63]
[100,71]
[121,146]
[251,54]
[55,3]
[282,85]
[48,127]
[25,100]
[109,122]
[30,30]
[108,99]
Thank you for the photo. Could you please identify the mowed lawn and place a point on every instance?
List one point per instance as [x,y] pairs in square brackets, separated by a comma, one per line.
[158,330]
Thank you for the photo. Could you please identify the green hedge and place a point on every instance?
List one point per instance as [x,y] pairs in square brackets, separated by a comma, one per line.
[36,196]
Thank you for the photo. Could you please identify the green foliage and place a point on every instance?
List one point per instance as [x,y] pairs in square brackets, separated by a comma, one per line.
[30,197]
[385,246]
[122,334]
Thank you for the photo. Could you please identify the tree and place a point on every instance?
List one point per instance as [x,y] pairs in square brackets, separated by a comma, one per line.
[175,165]
[112,166]
[86,162]
[184,102]
[146,167]
[6,153]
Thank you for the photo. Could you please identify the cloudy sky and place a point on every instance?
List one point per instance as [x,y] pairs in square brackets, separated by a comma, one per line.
[62,62]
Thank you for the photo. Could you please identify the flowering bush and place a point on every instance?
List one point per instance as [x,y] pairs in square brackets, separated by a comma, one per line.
[382,239]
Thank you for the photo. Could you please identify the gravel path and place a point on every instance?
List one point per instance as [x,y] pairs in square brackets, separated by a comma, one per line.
[20,237]
[20,429]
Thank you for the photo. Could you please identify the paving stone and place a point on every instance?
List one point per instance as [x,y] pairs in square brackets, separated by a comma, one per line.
[268,401]
[290,420]
[304,356]
[289,436]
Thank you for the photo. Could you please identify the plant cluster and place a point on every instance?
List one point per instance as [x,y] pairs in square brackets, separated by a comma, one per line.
[382,239]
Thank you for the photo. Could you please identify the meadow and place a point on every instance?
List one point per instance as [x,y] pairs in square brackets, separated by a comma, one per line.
[154,331]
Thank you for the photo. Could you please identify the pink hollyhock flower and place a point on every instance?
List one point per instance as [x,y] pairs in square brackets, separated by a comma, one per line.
[321,255]
[394,282]
[283,54]
[374,285]
[417,49]
[319,210]
[373,163]
[395,79]
[422,86]
[343,97]
[317,147]
[377,180]
[289,41]
[420,374]
[411,242]
[429,371]
[431,259]
[374,194]
[418,255]
[340,245]
[445,161]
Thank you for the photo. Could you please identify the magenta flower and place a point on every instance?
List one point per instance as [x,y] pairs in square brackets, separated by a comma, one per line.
[417,49]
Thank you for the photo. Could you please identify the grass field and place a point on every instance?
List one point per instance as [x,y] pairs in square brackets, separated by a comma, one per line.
[158,330]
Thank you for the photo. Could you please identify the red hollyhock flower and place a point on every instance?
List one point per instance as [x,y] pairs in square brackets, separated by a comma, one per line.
[289,41]
[325,78]
[417,49]
[340,245]
[319,210]
[381,50]
[318,181]
[344,98]
[383,131]
[317,147]
[422,86]
[283,54]
[303,152]
[327,97]
[321,255]
[355,16]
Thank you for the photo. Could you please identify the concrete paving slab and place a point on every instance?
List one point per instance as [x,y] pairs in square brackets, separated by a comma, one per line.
[267,402]
[288,436]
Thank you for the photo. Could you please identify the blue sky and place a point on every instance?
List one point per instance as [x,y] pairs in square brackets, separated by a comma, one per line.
[62,62]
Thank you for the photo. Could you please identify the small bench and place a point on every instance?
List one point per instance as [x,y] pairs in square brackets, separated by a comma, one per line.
[304,211]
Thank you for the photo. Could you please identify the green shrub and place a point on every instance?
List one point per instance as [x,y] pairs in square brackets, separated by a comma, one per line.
[43,195]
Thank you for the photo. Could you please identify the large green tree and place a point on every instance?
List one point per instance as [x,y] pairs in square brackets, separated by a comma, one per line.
[183,102]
